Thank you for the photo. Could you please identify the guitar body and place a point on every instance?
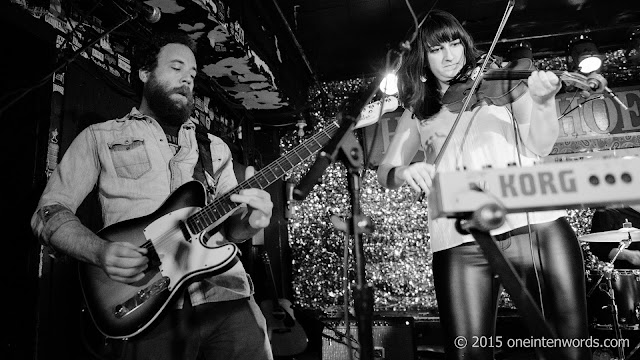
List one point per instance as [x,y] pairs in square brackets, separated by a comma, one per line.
[122,310]
[286,335]
[179,254]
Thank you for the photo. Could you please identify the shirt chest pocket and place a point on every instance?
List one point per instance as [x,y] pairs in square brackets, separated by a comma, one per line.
[129,156]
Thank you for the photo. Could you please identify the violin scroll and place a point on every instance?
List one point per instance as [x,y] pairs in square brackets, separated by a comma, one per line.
[594,83]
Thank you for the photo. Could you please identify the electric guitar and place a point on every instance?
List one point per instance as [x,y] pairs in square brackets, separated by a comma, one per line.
[286,335]
[178,235]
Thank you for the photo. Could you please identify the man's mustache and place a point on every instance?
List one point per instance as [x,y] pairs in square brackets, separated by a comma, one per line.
[183,90]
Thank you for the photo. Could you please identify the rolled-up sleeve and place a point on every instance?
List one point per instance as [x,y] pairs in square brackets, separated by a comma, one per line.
[74,177]
[48,219]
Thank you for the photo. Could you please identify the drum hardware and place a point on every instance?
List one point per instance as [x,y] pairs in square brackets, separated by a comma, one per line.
[634,350]
[607,288]
[610,275]
[612,236]
[608,268]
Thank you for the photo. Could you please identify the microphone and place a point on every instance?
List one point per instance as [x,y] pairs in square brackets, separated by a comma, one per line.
[598,83]
[615,97]
[150,13]
[309,180]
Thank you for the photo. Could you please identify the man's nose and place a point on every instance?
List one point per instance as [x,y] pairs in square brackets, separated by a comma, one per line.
[187,80]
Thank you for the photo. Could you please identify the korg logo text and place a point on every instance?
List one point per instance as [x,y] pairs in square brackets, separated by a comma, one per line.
[539,183]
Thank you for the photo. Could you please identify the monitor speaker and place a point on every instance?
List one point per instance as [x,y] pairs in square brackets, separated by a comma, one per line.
[393,339]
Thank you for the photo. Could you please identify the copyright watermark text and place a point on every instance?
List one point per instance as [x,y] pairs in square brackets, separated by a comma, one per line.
[498,341]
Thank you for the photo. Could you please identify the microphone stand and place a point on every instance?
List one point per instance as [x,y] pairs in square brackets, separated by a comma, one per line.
[345,147]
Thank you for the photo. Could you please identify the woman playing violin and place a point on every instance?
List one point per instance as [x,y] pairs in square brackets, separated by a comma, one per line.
[541,245]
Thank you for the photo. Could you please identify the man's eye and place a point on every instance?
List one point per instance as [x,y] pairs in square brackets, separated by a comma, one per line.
[434,49]
[456,42]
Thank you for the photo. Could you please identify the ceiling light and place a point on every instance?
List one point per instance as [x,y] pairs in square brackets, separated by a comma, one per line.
[520,50]
[300,124]
[389,85]
[584,54]
[633,49]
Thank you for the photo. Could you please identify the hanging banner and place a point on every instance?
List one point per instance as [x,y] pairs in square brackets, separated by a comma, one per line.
[594,128]
[600,127]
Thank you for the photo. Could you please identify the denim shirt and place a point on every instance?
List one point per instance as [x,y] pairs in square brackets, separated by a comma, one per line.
[135,171]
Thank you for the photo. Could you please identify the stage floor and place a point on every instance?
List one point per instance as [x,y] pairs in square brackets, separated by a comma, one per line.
[419,337]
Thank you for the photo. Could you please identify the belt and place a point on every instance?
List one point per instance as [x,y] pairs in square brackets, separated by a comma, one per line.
[515,232]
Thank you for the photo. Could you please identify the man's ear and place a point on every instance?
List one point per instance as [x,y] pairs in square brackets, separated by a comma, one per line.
[143,75]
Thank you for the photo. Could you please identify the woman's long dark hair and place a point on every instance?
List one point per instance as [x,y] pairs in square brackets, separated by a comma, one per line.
[423,98]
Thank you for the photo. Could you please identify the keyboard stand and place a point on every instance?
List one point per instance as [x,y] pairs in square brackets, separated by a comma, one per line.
[523,300]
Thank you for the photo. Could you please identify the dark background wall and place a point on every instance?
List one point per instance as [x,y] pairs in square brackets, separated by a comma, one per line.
[44,313]
[26,54]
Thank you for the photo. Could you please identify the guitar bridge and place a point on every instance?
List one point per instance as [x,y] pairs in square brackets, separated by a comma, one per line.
[140,298]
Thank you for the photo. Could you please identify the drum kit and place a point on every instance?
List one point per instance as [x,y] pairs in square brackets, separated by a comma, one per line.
[613,295]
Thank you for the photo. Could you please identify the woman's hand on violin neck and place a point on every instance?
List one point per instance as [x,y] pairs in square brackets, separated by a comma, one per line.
[418,175]
[543,86]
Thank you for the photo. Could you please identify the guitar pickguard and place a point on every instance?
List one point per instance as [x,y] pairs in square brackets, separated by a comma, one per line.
[180,258]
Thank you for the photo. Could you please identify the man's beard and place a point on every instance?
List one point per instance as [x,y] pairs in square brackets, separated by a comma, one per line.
[172,112]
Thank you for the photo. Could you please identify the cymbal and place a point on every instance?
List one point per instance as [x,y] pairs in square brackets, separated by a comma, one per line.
[612,235]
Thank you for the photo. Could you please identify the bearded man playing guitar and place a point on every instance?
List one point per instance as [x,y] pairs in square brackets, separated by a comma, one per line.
[162,275]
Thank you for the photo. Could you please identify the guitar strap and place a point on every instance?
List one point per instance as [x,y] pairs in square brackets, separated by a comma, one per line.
[204,167]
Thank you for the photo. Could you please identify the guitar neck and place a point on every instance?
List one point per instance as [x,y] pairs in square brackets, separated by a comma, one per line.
[209,214]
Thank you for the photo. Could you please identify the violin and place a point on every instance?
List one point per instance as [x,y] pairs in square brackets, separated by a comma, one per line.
[502,86]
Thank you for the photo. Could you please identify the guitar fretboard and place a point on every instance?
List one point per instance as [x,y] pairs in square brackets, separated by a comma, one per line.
[209,214]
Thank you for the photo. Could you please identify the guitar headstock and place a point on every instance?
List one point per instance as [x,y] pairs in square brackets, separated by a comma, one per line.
[371,113]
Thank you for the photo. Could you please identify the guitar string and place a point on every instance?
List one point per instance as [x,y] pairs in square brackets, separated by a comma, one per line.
[328,131]
[224,200]
[214,207]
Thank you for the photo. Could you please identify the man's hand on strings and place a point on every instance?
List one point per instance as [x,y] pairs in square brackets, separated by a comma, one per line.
[258,202]
[123,262]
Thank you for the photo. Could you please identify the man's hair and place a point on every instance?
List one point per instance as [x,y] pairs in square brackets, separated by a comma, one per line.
[145,53]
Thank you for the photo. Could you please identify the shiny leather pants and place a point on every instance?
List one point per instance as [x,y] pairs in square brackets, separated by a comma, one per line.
[467,290]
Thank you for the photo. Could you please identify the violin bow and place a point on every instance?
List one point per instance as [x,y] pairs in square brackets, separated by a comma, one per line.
[476,81]
[523,299]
